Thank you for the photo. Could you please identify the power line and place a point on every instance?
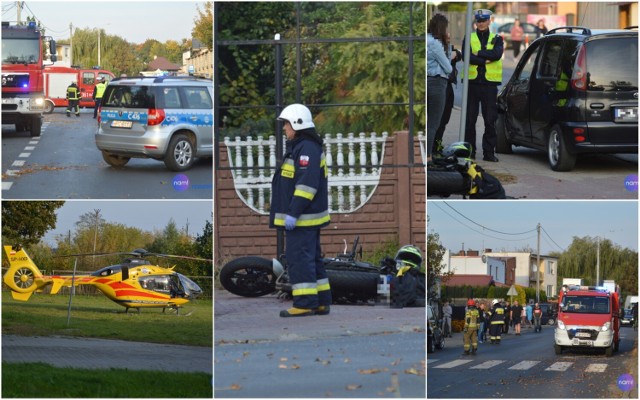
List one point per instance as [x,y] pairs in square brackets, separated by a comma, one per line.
[553,241]
[489,229]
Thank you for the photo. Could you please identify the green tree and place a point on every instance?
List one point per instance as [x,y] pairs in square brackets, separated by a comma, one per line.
[204,241]
[435,265]
[26,222]
[203,25]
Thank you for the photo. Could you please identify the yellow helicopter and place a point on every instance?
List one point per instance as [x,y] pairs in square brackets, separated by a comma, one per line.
[134,283]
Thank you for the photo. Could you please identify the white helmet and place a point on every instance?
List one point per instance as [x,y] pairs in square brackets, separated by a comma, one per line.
[494,302]
[298,116]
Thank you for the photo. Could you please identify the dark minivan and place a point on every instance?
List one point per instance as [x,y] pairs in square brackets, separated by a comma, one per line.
[574,91]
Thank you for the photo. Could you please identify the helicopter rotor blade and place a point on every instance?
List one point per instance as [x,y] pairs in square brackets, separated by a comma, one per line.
[181,257]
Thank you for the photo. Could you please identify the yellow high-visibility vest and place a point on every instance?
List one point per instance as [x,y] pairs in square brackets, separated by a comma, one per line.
[493,69]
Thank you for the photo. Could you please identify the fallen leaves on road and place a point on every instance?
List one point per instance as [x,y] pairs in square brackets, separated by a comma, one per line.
[372,371]
[353,387]
[235,386]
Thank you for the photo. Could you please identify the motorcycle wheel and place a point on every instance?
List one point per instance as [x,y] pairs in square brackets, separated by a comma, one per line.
[248,277]
[352,286]
[446,183]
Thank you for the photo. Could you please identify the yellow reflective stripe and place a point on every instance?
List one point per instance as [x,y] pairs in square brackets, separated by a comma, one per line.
[313,222]
[304,219]
[288,169]
[323,285]
[305,292]
[305,191]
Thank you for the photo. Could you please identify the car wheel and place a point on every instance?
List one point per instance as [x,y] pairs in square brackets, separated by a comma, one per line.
[551,321]
[559,158]
[441,344]
[503,146]
[114,160]
[48,107]
[558,349]
[431,346]
[609,351]
[180,153]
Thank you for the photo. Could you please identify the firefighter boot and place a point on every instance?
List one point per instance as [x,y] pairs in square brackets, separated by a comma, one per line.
[473,351]
[296,312]
[322,310]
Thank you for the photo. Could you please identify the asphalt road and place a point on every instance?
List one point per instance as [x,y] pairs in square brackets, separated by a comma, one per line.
[526,366]
[64,163]
[104,354]
[356,351]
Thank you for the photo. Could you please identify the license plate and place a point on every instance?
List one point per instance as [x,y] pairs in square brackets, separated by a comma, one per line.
[583,334]
[578,342]
[121,124]
[626,114]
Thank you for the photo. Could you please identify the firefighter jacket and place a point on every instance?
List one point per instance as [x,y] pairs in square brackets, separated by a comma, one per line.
[98,90]
[300,187]
[471,318]
[486,46]
[73,93]
[497,315]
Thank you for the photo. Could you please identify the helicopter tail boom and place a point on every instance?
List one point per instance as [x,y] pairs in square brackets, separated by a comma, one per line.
[23,276]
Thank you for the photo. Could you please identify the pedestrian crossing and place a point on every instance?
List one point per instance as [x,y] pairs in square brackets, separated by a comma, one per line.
[559,366]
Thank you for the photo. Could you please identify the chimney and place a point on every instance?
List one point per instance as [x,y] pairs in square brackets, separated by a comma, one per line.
[487,250]
[473,253]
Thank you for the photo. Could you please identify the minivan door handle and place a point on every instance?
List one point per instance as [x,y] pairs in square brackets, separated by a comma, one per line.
[596,106]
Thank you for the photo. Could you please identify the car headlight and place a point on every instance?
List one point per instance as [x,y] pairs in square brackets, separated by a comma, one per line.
[561,325]
[606,326]
[39,101]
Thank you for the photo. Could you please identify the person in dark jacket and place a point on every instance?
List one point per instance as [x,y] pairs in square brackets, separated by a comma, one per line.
[73,99]
[299,204]
[496,322]
[485,75]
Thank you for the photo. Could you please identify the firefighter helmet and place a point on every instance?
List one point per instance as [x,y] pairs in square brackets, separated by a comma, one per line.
[494,302]
[298,116]
[458,149]
[409,255]
[471,303]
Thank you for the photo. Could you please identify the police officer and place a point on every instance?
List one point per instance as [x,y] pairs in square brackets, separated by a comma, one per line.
[73,98]
[98,91]
[485,74]
[299,204]
[496,321]
[471,328]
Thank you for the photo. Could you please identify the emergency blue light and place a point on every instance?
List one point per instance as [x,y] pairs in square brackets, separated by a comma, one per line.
[25,85]
[32,24]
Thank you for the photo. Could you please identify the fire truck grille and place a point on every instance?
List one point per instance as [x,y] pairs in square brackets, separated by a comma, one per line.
[584,334]
[15,80]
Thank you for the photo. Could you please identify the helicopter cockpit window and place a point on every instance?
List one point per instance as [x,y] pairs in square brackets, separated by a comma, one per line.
[107,271]
[157,283]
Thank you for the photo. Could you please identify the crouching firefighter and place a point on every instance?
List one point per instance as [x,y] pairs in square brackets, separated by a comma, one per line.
[497,321]
[299,204]
[471,328]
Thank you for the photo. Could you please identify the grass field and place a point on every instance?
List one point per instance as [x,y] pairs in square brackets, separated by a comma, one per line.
[98,317]
[47,381]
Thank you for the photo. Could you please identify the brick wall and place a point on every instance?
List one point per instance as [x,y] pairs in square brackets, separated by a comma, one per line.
[397,209]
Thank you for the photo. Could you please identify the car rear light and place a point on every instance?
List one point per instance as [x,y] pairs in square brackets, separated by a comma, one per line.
[579,76]
[155,117]
[99,114]
[578,135]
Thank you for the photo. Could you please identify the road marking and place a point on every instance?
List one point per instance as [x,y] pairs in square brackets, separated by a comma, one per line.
[559,366]
[25,154]
[524,365]
[488,364]
[430,360]
[6,185]
[453,364]
[30,148]
[12,172]
[18,163]
[596,367]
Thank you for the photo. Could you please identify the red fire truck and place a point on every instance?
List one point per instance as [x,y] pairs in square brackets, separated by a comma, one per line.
[22,82]
[57,79]
[588,317]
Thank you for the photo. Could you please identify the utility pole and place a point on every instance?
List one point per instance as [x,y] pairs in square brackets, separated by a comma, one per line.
[598,263]
[95,235]
[98,46]
[19,11]
[538,268]
[70,44]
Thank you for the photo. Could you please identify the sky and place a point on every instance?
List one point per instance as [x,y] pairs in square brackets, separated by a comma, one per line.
[134,21]
[561,220]
[147,215]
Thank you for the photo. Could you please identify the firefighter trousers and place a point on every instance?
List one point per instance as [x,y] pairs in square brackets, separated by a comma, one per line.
[307,274]
[470,340]
[495,330]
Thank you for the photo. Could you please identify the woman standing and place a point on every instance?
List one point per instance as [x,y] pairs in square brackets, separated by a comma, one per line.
[438,69]
[517,35]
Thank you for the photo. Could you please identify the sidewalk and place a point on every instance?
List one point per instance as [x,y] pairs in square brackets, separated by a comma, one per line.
[526,174]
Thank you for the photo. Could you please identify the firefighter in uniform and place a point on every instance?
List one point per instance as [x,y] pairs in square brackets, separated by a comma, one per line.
[485,75]
[299,204]
[73,98]
[496,321]
[471,328]
[98,91]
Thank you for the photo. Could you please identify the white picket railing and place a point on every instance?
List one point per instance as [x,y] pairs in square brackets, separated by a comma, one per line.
[354,165]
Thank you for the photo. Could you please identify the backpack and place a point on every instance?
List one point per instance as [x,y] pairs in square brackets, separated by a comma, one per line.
[407,288]
[485,185]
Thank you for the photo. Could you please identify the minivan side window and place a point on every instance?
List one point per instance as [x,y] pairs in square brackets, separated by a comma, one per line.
[527,68]
[550,59]
[198,98]
[612,64]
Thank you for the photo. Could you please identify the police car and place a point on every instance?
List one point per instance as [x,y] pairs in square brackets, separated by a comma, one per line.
[164,118]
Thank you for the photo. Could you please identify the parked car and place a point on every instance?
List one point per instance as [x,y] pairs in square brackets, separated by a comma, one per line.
[628,318]
[435,338]
[549,313]
[574,91]
[164,118]
[530,31]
